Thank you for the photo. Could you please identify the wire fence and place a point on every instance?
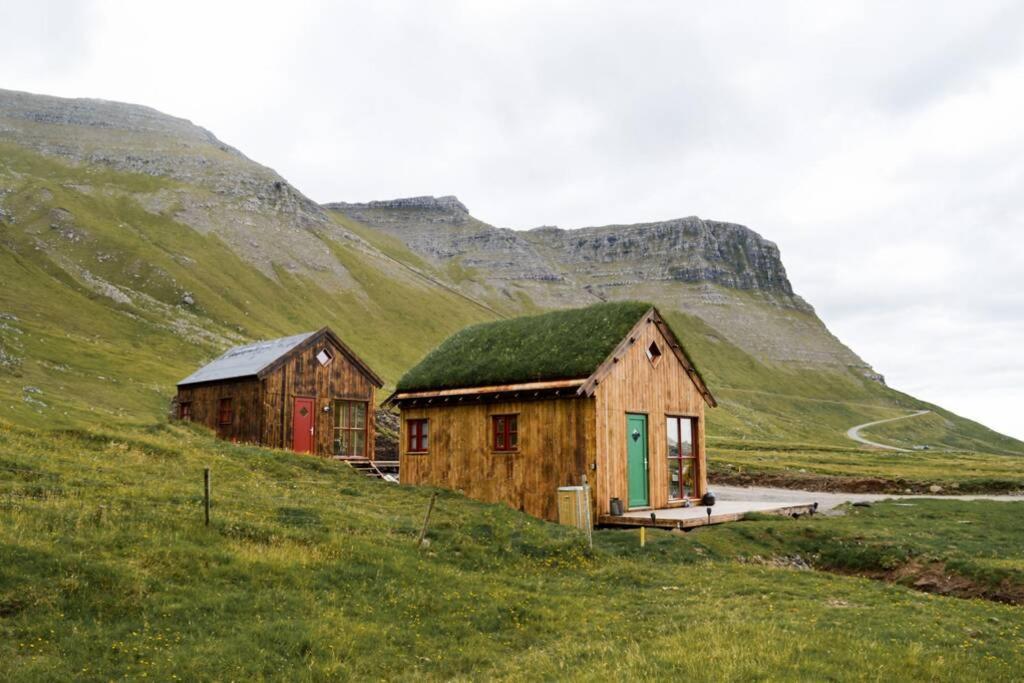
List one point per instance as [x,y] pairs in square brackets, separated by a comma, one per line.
[253,501]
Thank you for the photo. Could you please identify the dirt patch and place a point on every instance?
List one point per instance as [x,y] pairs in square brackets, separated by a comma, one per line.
[838,484]
[935,577]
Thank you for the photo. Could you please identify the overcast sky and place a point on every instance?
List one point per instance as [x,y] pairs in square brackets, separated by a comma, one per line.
[881,145]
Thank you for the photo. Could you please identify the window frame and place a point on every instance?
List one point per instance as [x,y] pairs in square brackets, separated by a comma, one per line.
[336,428]
[654,357]
[417,439]
[509,429]
[693,459]
[228,402]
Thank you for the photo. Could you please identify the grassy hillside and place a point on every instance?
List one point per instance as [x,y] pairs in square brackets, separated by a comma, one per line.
[94,324]
[310,572]
[94,328]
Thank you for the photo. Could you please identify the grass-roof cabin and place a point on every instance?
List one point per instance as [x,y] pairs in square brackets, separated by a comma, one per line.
[308,392]
[509,411]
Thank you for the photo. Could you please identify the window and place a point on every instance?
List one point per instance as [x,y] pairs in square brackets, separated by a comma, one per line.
[505,429]
[654,353]
[682,457]
[185,411]
[419,435]
[224,413]
[324,357]
[350,428]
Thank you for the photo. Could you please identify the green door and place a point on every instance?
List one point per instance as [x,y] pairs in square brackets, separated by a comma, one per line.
[636,455]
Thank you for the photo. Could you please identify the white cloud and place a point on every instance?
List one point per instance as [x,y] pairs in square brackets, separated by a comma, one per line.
[878,143]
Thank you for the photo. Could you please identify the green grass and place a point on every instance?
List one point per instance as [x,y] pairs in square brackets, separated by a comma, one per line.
[867,470]
[310,572]
[98,360]
[565,344]
[973,548]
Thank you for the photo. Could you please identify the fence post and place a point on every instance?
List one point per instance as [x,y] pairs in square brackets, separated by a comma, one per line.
[426,520]
[206,494]
[589,519]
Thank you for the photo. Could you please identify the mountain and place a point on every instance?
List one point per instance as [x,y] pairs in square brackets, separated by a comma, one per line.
[135,245]
[723,273]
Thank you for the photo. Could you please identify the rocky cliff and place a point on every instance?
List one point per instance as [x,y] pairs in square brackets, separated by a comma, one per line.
[724,273]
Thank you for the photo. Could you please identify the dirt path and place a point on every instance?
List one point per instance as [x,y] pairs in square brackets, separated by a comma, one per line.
[854,432]
[827,500]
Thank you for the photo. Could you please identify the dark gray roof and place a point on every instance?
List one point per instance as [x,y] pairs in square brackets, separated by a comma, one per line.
[245,361]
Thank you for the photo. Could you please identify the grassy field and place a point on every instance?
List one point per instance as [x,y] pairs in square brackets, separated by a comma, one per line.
[950,547]
[308,572]
[853,469]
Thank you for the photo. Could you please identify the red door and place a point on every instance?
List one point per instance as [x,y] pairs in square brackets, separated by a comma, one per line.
[302,425]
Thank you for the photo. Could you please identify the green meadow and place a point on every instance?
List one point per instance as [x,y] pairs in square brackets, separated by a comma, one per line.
[308,572]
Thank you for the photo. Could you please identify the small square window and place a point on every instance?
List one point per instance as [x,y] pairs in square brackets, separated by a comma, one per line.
[505,429]
[324,357]
[419,435]
[654,353]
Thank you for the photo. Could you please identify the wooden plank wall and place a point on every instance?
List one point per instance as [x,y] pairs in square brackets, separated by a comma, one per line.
[302,375]
[637,386]
[247,408]
[556,447]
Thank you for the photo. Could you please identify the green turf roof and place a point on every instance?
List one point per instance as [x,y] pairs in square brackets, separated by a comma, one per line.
[566,344]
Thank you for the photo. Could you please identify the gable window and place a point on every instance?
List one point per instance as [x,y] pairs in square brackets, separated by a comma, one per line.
[505,431]
[185,411]
[419,435]
[225,414]
[654,353]
[682,457]
[324,357]
[350,428]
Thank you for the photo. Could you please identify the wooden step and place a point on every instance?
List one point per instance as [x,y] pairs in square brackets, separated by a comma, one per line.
[369,468]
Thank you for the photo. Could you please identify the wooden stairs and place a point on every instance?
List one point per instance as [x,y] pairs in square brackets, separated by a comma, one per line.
[385,470]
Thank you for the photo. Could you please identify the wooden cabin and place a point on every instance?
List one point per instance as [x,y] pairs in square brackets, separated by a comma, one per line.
[511,410]
[309,392]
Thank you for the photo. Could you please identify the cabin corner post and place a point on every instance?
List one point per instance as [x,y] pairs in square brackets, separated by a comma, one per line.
[702,455]
[371,425]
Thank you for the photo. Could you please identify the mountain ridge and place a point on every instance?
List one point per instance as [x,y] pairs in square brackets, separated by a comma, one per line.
[135,246]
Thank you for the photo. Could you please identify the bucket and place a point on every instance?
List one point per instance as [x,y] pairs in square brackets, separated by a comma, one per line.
[616,507]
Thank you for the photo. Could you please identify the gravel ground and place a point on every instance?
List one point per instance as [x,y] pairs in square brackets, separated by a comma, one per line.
[826,500]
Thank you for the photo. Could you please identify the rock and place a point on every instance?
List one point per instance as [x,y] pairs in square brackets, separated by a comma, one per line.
[935,488]
[448,203]
[34,402]
[386,442]
[187,299]
[691,264]
[32,390]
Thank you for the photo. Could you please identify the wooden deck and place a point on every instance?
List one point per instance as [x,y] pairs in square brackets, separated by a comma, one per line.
[697,516]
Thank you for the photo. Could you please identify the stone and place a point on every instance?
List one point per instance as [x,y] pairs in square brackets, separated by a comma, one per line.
[187,299]
[935,488]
